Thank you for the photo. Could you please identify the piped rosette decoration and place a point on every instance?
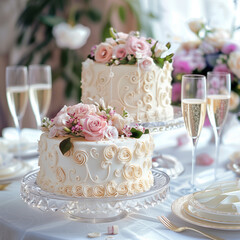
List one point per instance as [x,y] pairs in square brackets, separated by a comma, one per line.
[94,122]
[122,48]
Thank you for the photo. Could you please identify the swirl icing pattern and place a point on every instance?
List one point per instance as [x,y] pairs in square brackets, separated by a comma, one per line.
[124,155]
[121,168]
[110,151]
[80,157]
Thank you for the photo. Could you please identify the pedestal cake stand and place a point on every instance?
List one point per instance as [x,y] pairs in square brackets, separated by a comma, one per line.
[162,162]
[94,210]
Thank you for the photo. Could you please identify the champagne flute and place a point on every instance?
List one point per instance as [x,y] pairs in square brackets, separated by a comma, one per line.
[40,88]
[193,95]
[218,98]
[17,95]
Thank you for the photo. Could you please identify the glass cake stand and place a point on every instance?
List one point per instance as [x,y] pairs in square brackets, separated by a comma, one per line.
[163,162]
[94,210]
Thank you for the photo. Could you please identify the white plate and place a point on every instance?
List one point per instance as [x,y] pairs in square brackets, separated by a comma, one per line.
[179,208]
[17,175]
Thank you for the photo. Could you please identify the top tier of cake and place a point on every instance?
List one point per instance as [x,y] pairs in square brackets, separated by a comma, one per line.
[131,73]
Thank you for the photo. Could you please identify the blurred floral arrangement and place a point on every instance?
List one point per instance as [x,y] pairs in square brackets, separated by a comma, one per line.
[52,30]
[212,51]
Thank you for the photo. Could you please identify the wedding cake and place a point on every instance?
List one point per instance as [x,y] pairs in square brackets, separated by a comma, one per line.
[91,151]
[131,74]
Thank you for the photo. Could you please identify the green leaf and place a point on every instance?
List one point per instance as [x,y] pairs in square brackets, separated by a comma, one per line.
[123,61]
[168,45]
[168,57]
[122,14]
[94,14]
[105,31]
[136,133]
[146,131]
[154,46]
[132,61]
[65,145]
[159,62]
[51,20]
[64,57]
[45,57]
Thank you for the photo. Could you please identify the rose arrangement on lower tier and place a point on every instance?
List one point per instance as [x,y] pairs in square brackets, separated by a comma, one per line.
[213,50]
[94,122]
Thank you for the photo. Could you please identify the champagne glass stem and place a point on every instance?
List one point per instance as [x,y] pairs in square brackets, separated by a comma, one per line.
[217,141]
[194,143]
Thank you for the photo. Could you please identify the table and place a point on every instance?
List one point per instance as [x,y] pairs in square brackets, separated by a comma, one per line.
[19,221]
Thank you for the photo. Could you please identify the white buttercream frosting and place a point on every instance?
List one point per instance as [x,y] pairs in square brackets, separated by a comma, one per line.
[96,169]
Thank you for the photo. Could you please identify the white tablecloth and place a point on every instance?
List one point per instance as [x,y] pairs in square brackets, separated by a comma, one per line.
[20,221]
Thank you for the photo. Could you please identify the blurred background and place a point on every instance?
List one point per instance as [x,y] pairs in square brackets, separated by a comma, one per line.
[27,36]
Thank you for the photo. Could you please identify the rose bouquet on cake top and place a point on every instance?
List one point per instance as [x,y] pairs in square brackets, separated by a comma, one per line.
[94,122]
[122,48]
[212,51]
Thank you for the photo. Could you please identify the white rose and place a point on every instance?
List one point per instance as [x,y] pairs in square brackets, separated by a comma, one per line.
[72,37]
[218,37]
[234,101]
[234,63]
[111,133]
[160,49]
[196,25]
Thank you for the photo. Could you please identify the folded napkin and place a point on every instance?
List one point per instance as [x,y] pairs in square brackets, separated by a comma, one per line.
[218,203]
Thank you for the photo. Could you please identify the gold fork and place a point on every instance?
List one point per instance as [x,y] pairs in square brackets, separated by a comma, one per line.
[166,222]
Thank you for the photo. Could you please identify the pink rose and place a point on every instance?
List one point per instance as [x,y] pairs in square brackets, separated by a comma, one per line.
[229,47]
[61,119]
[146,64]
[103,53]
[204,159]
[94,128]
[81,110]
[138,46]
[111,133]
[120,51]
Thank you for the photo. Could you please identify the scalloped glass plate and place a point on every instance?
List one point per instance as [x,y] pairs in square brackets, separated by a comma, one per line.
[168,124]
[94,209]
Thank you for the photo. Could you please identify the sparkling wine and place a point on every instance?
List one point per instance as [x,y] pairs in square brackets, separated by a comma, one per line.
[17,97]
[217,107]
[194,111]
[40,98]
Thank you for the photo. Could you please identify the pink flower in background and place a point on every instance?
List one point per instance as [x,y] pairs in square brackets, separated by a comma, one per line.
[207,121]
[204,159]
[120,51]
[181,66]
[138,46]
[103,53]
[229,47]
[94,128]
[176,92]
[221,68]
[146,64]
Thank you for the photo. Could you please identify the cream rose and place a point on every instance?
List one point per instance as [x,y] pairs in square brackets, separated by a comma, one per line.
[80,157]
[196,25]
[234,63]
[218,38]
[234,101]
